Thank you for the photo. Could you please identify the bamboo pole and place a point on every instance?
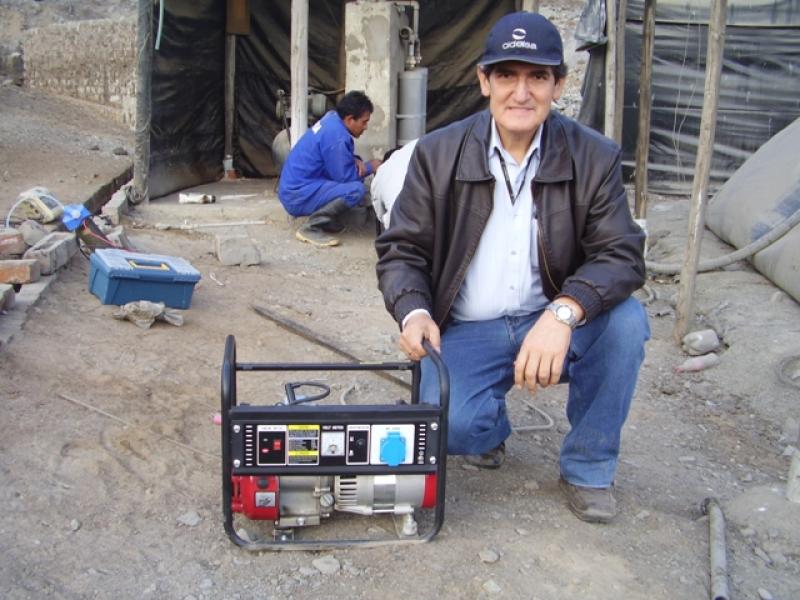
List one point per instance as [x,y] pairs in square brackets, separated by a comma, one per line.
[299,70]
[705,151]
[619,71]
[645,106]
[610,101]
[144,71]
[230,78]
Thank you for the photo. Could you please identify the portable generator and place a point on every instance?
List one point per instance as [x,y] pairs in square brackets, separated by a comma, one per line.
[297,463]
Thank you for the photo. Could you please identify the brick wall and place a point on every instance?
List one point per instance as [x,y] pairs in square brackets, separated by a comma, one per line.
[90,60]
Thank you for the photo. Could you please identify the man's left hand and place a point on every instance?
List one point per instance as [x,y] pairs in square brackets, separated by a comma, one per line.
[541,357]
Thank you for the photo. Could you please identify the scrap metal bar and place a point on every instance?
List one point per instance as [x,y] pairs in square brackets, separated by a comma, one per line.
[716,547]
[319,339]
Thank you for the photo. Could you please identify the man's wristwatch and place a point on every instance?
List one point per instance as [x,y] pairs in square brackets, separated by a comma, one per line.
[563,313]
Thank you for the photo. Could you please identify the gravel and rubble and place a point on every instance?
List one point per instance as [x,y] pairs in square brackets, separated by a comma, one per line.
[109,458]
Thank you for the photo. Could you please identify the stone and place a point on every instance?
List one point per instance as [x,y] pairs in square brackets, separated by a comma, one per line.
[491,587]
[32,231]
[236,249]
[700,342]
[488,556]
[790,434]
[120,151]
[327,565]
[19,271]
[190,519]
[764,594]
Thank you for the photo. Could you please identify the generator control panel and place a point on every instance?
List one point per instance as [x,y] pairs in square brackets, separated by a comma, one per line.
[310,438]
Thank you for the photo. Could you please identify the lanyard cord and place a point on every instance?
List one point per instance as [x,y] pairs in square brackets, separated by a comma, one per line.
[514,197]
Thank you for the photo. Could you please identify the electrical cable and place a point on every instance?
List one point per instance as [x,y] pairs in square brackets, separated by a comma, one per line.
[160,23]
[525,428]
[774,234]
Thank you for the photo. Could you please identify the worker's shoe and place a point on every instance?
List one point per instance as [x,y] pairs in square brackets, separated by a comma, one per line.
[493,459]
[594,505]
[316,237]
[329,217]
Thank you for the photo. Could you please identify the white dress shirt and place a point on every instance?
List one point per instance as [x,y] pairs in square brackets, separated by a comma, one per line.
[503,278]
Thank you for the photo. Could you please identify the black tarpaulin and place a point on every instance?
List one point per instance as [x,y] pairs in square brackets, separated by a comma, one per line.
[759,91]
[187,113]
[187,137]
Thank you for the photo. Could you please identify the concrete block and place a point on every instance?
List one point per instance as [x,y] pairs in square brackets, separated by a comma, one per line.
[12,244]
[236,249]
[19,271]
[54,251]
[7,296]
[32,231]
[117,206]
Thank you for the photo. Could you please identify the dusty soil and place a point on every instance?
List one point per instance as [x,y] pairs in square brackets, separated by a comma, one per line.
[110,461]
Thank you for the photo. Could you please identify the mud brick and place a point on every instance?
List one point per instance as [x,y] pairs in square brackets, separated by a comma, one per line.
[19,271]
[53,251]
[12,243]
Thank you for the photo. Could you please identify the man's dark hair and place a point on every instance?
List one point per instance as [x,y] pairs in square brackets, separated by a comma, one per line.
[354,104]
[559,71]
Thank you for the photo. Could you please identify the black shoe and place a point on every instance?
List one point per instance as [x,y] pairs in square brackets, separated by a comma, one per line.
[315,237]
[493,459]
[328,218]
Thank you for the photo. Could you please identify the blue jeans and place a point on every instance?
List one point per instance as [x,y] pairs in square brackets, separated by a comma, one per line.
[601,368]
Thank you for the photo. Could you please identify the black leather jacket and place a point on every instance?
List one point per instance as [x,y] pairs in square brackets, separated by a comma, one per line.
[590,249]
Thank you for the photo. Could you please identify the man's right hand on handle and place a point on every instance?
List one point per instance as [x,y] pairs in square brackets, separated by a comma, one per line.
[419,327]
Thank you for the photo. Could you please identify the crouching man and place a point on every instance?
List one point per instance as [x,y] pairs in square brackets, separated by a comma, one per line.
[512,250]
[322,176]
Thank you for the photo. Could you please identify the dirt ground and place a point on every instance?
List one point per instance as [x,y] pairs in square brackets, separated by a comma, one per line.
[110,461]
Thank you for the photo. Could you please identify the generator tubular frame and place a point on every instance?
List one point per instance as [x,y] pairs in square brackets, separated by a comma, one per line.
[229,400]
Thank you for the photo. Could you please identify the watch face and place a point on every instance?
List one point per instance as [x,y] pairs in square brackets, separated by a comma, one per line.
[564,312]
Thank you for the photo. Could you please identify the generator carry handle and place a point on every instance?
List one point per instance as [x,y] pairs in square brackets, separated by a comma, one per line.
[436,465]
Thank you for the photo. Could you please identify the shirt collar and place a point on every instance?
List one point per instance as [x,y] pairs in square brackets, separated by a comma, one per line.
[496,143]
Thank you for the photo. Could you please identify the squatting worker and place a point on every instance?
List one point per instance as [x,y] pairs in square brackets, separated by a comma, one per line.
[322,176]
[512,250]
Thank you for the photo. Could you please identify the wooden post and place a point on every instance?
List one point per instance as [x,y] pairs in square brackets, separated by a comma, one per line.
[299,69]
[610,100]
[645,106]
[230,77]
[619,71]
[529,5]
[705,151]
[144,72]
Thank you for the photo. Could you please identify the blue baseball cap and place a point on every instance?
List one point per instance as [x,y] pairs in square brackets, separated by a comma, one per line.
[526,37]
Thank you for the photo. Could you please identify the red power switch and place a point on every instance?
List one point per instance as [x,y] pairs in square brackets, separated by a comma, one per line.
[276,445]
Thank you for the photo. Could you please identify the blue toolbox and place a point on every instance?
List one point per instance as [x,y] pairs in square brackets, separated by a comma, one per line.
[119,277]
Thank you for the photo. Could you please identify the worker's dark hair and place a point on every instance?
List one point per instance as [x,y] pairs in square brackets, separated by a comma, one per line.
[354,104]
[559,71]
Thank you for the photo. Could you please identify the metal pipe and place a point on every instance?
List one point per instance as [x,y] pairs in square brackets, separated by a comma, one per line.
[716,546]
